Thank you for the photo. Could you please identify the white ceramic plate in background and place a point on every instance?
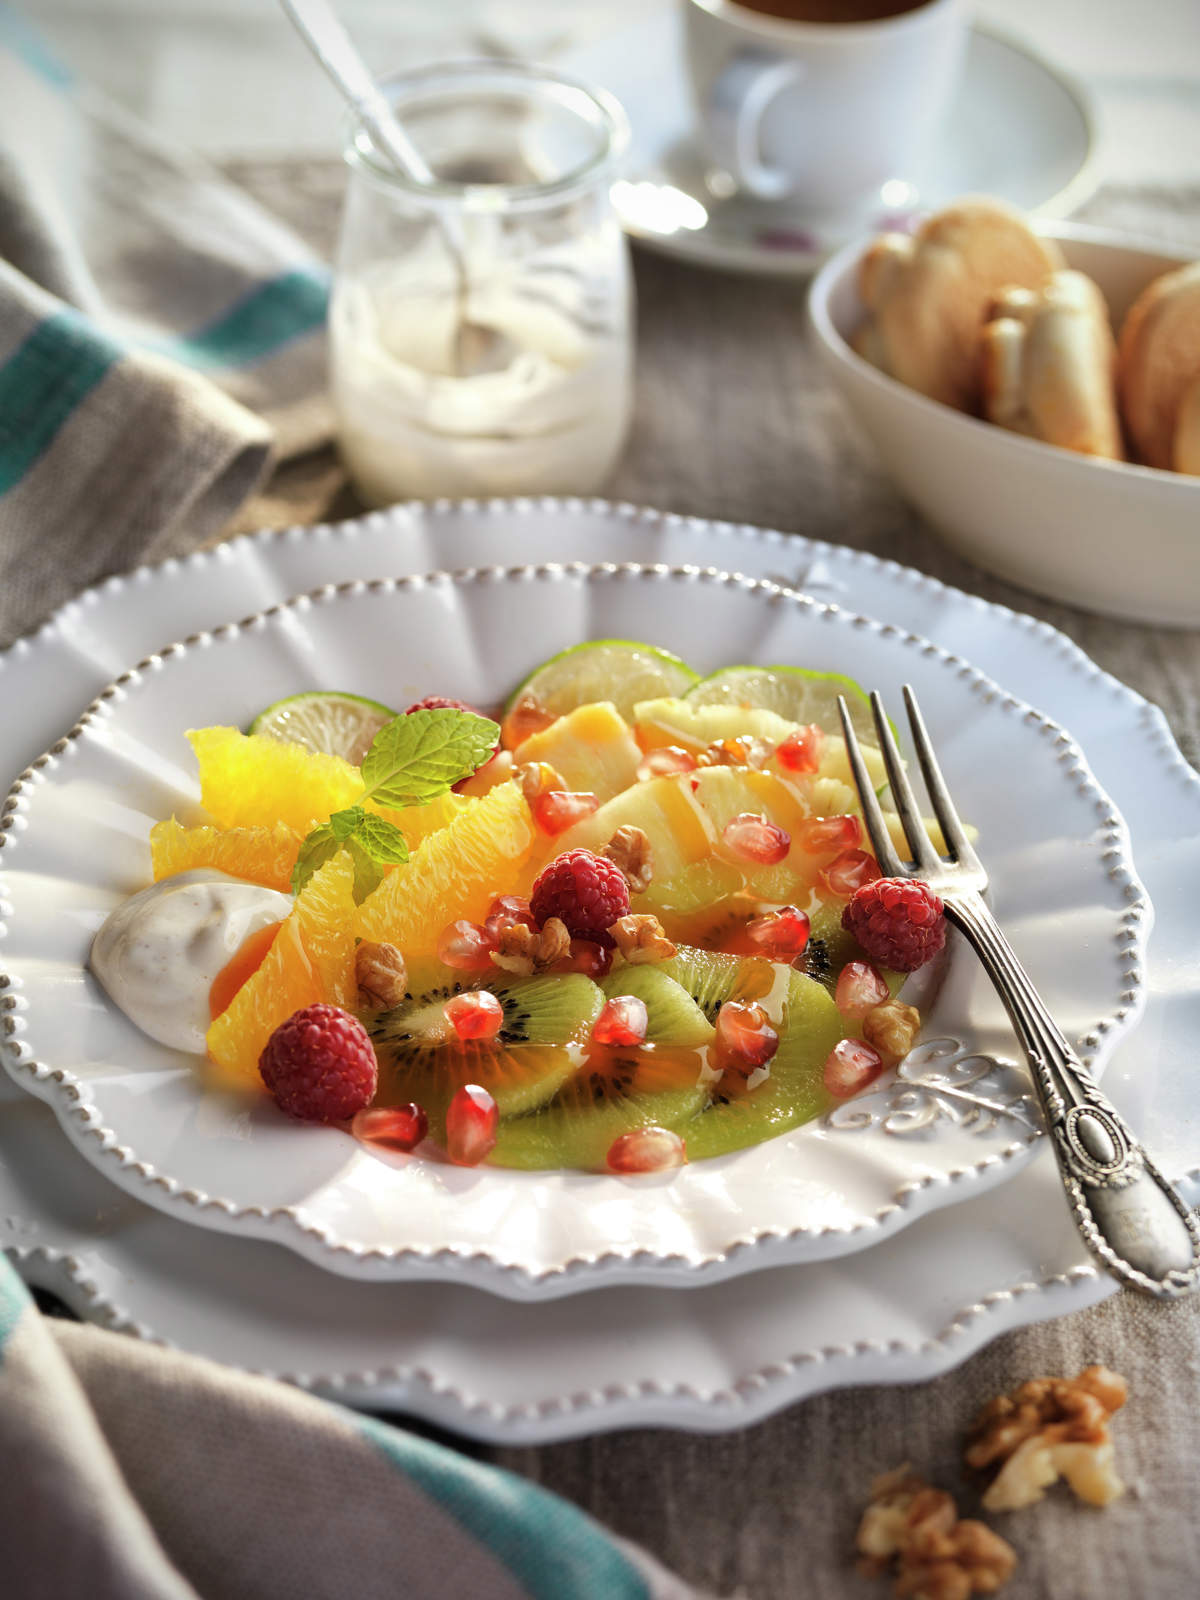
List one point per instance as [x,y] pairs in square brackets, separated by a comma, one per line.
[1111,536]
[75,844]
[710,1360]
[1017,127]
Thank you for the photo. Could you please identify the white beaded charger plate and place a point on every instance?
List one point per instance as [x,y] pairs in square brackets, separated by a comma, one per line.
[954,1120]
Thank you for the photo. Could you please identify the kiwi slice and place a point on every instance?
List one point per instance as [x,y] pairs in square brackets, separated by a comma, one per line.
[546,1021]
[612,1093]
[711,977]
[793,1092]
[672,1016]
[830,947]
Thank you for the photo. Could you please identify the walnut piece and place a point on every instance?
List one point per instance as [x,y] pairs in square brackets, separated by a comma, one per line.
[1046,1429]
[641,938]
[892,1027]
[525,950]
[535,778]
[629,850]
[935,1556]
[381,975]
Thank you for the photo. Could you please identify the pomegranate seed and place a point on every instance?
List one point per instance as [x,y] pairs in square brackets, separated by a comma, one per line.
[801,750]
[472,1119]
[398,1127]
[527,717]
[850,1066]
[646,1150]
[623,1021]
[848,872]
[593,960]
[558,809]
[666,761]
[745,1039]
[466,946]
[507,911]
[819,835]
[780,935]
[750,837]
[478,1015]
[860,988]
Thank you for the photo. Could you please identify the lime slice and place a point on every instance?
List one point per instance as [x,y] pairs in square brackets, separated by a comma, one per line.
[620,670]
[325,720]
[791,692]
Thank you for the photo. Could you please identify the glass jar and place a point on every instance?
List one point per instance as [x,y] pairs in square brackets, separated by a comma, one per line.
[481,326]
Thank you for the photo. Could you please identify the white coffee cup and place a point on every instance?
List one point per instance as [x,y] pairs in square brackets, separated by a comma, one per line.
[820,114]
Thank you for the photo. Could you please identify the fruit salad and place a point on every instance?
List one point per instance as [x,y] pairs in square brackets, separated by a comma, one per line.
[630,922]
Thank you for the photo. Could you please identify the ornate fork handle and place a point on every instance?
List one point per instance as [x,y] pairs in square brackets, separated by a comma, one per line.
[1128,1214]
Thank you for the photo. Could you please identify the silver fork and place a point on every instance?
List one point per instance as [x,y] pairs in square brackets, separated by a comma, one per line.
[1128,1214]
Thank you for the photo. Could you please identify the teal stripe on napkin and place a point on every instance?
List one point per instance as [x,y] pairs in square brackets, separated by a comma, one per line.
[269,317]
[14,1302]
[554,1550]
[42,382]
[16,35]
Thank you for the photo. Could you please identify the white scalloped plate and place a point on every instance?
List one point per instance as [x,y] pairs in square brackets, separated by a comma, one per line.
[76,827]
[712,1360]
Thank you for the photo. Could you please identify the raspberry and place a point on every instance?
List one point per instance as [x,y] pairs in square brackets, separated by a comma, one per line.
[586,892]
[898,921]
[320,1065]
[437,702]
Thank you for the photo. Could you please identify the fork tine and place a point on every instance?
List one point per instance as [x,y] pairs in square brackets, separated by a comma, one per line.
[944,808]
[881,840]
[923,853]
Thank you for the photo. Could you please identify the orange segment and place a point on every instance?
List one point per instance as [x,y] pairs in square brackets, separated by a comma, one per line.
[457,872]
[261,855]
[311,958]
[240,968]
[417,823]
[248,781]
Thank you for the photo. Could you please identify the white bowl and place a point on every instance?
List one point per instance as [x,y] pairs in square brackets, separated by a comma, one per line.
[1109,536]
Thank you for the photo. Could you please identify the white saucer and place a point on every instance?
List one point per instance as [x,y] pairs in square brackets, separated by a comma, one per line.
[707,1359]
[1018,128]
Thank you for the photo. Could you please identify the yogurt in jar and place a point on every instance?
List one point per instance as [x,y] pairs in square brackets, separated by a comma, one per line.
[520,391]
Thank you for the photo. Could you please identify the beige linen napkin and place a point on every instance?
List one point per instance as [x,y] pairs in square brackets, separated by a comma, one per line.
[161,341]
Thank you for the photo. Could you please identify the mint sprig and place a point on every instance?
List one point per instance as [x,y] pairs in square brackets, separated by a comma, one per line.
[412,760]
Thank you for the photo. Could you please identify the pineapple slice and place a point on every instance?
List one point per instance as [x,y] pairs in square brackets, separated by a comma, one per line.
[694,728]
[591,748]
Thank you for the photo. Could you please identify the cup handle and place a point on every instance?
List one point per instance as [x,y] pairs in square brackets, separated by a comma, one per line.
[738,102]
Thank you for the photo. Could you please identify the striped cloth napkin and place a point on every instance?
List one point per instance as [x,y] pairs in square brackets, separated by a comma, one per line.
[136,1473]
[161,340]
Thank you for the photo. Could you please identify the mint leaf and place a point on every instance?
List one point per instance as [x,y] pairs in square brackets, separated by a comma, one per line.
[412,759]
[372,841]
[368,873]
[382,840]
[419,756]
[321,845]
[347,823]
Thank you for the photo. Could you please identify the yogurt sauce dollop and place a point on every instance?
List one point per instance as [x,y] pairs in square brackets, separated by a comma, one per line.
[158,953]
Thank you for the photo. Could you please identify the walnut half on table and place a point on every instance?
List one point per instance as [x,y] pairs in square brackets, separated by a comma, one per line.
[915,1529]
[1046,1429]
